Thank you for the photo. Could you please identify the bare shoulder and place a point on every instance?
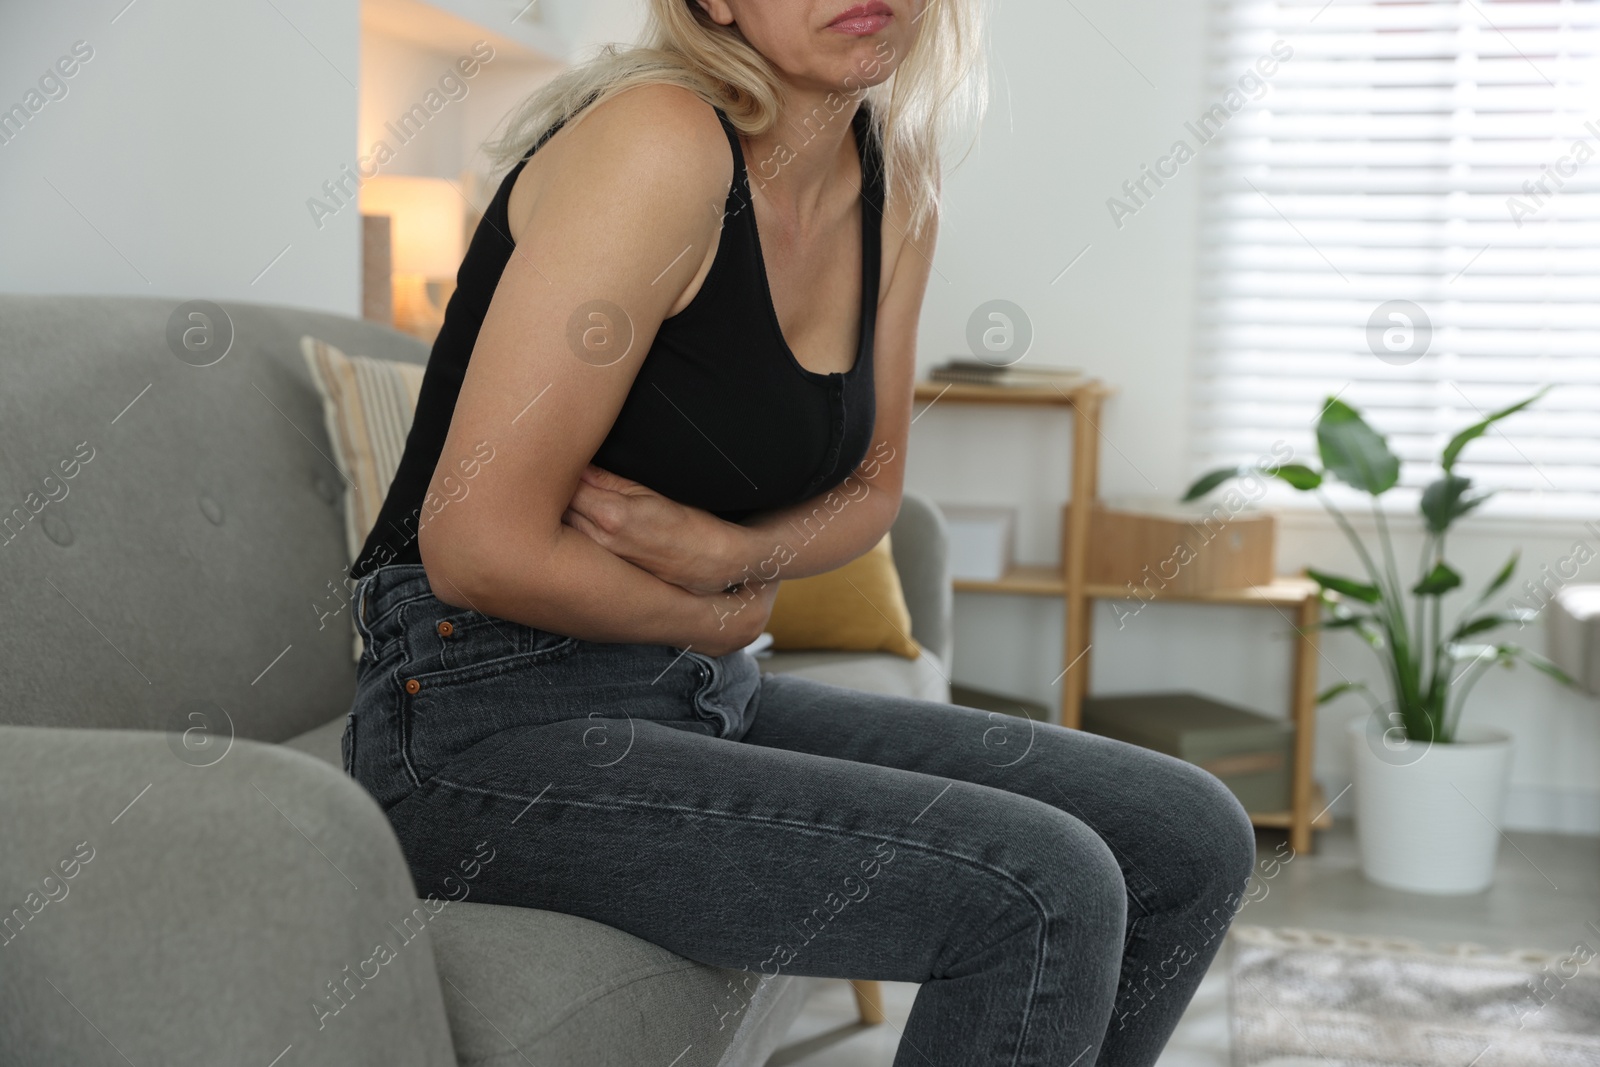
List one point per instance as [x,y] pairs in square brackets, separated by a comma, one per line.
[665,142]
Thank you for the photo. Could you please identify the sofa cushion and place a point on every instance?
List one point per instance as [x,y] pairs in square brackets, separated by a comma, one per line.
[195,564]
[528,986]
[322,741]
[876,672]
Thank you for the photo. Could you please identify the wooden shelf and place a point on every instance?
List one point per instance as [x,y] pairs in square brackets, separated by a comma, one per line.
[1032,579]
[1035,579]
[1283,820]
[1283,591]
[962,393]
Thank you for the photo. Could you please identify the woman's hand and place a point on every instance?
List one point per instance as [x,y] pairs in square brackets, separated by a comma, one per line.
[737,618]
[686,546]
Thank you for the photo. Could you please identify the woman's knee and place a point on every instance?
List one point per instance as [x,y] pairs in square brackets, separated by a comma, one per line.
[1047,876]
[1080,872]
[1209,833]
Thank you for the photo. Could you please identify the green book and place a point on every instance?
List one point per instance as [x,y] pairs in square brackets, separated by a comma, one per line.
[1250,753]
[984,700]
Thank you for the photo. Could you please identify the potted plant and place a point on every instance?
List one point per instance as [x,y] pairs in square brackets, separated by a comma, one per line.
[1428,790]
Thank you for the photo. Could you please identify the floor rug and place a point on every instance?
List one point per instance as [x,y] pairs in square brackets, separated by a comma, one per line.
[1305,998]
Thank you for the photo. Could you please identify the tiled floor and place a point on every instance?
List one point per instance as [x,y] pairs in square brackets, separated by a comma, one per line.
[1546,887]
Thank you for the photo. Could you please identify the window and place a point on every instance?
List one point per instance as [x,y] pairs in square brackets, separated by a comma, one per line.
[1407,216]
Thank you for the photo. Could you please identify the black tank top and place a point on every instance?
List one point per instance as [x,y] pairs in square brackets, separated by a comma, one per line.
[721,416]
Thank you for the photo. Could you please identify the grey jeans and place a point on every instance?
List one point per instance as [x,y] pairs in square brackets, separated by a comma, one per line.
[1057,894]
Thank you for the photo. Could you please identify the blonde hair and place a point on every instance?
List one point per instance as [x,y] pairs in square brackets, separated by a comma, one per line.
[940,84]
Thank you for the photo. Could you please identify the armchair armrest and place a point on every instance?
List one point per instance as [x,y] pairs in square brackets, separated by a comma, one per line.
[921,544]
[155,911]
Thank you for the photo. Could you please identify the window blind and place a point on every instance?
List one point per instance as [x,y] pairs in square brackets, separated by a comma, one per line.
[1432,156]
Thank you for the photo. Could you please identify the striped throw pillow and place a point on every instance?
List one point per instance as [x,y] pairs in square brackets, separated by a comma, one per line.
[367,408]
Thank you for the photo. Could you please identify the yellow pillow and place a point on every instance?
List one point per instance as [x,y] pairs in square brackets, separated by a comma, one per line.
[859,607]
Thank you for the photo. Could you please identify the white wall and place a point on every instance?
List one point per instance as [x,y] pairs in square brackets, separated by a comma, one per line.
[585,25]
[179,162]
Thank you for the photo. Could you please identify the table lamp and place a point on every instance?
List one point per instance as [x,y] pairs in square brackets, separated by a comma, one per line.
[426,224]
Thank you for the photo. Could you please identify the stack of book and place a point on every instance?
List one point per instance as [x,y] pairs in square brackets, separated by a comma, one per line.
[977,372]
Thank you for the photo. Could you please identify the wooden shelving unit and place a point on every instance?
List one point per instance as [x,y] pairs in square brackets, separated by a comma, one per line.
[1293,597]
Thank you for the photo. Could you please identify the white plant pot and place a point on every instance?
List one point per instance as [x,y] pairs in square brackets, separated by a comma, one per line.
[1428,815]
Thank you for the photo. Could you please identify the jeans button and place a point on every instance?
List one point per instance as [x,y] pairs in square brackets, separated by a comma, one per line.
[413,686]
[446,628]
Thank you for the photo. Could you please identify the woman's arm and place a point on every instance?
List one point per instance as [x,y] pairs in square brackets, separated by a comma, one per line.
[835,527]
[696,550]
[617,229]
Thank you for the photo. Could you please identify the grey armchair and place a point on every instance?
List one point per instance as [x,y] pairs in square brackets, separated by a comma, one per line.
[186,877]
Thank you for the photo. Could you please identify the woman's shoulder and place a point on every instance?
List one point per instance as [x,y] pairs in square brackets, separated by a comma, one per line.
[658,112]
[658,131]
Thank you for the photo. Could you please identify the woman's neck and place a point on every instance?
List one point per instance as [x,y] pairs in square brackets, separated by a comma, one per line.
[798,164]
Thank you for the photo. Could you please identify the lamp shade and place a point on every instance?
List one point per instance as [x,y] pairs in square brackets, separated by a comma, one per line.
[426,224]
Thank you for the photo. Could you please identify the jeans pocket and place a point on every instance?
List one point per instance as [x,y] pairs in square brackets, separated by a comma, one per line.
[445,645]
[379,630]
[464,676]
[371,745]
[362,597]
[728,690]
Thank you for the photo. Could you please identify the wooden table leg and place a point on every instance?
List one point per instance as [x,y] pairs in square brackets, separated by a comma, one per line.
[869,1002]
[1303,706]
[1074,685]
[1075,555]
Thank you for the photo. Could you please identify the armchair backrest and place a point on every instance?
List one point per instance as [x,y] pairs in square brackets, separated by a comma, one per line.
[921,543]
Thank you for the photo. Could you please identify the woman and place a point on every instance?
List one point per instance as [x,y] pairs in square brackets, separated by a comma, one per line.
[691,312]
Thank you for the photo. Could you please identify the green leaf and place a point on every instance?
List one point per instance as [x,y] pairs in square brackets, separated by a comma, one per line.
[1334,690]
[1343,622]
[1440,580]
[1354,452]
[1367,626]
[1358,623]
[1538,662]
[1210,481]
[1299,475]
[1478,429]
[1445,501]
[1492,621]
[1347,586]
[1503,577]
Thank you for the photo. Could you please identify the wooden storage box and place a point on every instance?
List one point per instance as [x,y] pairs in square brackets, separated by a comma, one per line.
[1161,547]
[1250,753]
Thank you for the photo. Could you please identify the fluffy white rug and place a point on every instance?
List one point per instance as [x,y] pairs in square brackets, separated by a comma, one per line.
[1304,998]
